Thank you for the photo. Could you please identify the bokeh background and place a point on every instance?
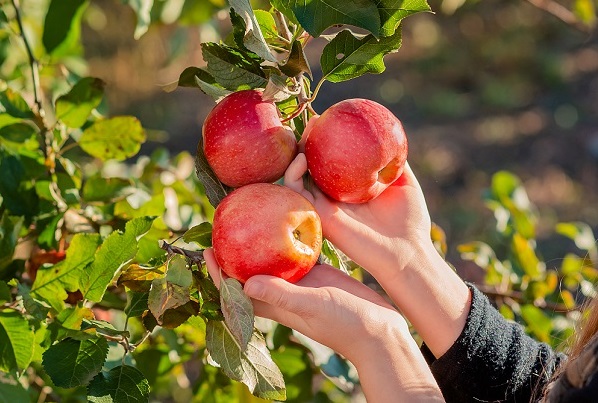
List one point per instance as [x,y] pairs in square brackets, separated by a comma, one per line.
[480,87]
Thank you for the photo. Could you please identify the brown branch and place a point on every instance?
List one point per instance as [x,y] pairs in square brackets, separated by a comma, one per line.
[195,256]
[518,296]
[562,13]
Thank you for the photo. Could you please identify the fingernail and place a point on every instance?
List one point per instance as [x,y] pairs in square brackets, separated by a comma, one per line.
[254,288]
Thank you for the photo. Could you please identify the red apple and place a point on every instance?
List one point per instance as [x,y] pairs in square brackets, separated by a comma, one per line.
[355,150]
[264,228]
[245,142]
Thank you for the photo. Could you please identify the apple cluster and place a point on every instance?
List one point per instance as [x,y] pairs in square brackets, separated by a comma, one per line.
[354,150]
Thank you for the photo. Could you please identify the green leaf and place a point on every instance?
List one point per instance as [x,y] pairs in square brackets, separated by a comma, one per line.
[213,90]
[164,296]
[99,189]
[137,303]
[74,108]
[537,321]
[200,234]
[10,228]
[237,310]
[333,257]
[116,251]
[15,187]
[178,271]
[525,256]
[215,190]
[14,105]
[138,278]
[5,295]
[253,38]
[12,392]
[143,10]
[266,23]
[392,13]
[38,309]
[61,19]
[71,363]
[317,15]
[52,283]
[296,63]
[295,363]
[19,133]
[231,68]
[347,56]
[121,384]
[253,366]
[117,138]
[103,328]
[580,233]
[16,341]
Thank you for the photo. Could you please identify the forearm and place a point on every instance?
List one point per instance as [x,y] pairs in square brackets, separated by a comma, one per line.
[430,295]
[392,369]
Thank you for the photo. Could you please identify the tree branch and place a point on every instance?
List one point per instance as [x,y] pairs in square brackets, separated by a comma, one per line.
[562,13]
[518,296]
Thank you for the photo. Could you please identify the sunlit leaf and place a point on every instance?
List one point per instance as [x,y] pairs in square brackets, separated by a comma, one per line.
[317,15]
[16,341]
[61,22]
[526,257]
[537,321]
[74,108]
[138,278]
[253,39]
[200,234]
[12,103]
[142,10]
[581,233]
[116,251]
[52,283]
[117,138]
[348,56]
[392,12]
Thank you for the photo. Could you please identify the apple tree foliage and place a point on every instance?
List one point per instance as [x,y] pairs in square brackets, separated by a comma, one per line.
[103,293]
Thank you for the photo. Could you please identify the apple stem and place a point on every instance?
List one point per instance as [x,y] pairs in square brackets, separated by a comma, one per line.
[296,112]
[316,90]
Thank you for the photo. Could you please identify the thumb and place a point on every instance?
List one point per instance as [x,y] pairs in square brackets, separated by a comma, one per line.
[280,294]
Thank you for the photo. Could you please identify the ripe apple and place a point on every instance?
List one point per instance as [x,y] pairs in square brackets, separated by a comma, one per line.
[265,228]
[355,150]
[245,142]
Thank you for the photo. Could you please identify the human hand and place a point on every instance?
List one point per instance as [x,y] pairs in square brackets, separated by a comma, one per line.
[380,235]
[325,305]
[389,236]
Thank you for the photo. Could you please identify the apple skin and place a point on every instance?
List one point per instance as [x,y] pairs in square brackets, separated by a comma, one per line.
[245,142]
[355,150]
[265,228]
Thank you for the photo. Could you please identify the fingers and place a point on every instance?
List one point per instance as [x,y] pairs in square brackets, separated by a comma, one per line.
[293,176]
[213,267]
[280,297]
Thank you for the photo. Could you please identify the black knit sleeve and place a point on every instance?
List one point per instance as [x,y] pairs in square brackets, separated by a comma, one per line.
[493,359]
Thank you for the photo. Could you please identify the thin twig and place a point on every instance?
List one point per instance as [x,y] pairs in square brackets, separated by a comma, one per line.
[195,256]
[32,61]
[562,13]
[518,296]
